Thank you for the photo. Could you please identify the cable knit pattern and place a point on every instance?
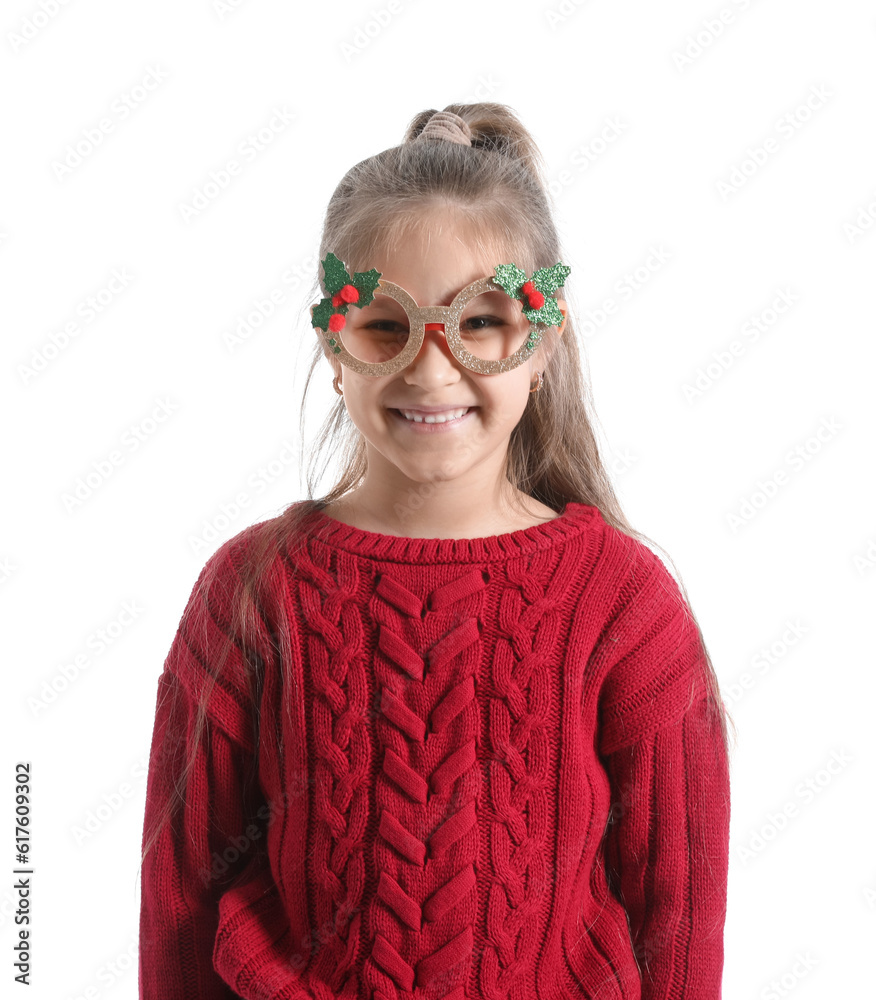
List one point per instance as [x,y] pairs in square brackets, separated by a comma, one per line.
[487,768]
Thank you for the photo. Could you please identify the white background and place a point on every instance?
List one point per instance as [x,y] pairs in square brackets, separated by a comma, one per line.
[796,574]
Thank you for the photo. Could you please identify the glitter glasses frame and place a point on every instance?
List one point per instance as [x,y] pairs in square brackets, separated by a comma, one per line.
[449,317]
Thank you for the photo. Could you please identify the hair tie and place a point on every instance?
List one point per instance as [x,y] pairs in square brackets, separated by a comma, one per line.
[447,126]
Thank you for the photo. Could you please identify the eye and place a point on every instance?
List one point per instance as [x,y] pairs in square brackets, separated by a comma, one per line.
[387,326]
[476,323]
[479,324]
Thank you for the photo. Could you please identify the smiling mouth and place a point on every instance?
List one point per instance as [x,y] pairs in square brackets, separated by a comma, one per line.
[441,417]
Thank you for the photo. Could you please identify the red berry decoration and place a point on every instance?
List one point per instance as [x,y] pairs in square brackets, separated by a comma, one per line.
[345,295]
[341,289]
[535,299]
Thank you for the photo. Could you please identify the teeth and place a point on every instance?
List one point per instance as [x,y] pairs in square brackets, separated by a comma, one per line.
[435,418]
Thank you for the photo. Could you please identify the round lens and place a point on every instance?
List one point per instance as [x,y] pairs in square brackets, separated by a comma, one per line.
[493,327]
[377,332]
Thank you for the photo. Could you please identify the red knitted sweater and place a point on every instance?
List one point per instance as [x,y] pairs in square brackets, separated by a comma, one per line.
[483,768]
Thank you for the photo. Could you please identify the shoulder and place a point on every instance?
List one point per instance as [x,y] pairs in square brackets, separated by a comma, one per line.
[226,626]
[650,655]
[631,568]
[246,555]
[236,590]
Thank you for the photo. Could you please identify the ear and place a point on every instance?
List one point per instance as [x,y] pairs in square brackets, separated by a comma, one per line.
[542,350]
[564,309]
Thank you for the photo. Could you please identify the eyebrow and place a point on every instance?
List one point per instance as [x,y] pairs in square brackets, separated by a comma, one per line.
[448,299]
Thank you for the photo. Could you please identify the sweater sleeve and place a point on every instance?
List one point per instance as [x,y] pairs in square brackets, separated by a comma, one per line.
[667,852]
[667,840]
[214,833]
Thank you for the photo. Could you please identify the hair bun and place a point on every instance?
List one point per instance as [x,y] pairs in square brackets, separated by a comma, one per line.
[447,126]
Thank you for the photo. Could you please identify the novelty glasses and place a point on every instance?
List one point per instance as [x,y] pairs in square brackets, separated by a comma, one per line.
[493,325]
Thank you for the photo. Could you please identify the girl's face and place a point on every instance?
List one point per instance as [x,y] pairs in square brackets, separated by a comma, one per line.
[468,450]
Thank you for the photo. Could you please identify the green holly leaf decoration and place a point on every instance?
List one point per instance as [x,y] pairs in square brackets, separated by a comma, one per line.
[320,318]
[336,275]
[548,279]
[549,314]
[511,278]
[365,283]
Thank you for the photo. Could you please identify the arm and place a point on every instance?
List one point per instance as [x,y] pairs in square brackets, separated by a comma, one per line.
[668,851]
[212,835]
[661,742]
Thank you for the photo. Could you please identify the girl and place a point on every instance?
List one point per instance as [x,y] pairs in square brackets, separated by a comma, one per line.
[450,730]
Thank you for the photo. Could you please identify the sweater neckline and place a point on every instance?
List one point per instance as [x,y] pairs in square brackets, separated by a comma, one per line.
[571,521]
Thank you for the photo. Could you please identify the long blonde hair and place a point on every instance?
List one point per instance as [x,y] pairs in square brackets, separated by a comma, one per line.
[497,183]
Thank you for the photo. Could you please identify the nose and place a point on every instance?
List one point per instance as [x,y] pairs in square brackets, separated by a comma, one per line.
[416,370]
[440,341]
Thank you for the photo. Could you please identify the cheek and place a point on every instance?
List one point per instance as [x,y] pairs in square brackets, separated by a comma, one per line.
[507,405]
[362,400]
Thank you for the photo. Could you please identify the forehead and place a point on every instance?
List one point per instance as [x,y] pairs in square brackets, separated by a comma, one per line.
[448,223]
[434,258]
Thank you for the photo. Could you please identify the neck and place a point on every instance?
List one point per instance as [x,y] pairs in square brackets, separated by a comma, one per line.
[437,510]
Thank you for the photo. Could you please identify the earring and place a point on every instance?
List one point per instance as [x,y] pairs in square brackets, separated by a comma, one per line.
[539,381]
[337,389]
